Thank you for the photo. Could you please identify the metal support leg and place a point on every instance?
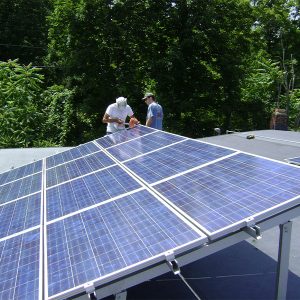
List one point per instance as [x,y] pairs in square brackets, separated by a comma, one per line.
[121,296]
[283,260]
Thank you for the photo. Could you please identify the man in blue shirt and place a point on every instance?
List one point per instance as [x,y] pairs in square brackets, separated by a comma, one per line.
[155,112]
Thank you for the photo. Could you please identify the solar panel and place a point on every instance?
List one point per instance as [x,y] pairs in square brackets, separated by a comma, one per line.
[88,190]
[71,154]
[294,160]
[19,215]
[20,188]
[223,195]
[78,167]
[175,159]
[143,145]
[124,136]
[110,238]
[20,266]
[20,172]
[111,207]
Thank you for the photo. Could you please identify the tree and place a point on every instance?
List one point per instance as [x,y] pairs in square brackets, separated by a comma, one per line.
[23,32]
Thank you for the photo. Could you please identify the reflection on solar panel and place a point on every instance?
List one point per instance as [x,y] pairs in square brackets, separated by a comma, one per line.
[115,206]
[123,136]
[294,160]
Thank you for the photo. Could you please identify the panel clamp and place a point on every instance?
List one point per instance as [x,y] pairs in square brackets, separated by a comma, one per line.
[254,231]
[90,290]
[172,262]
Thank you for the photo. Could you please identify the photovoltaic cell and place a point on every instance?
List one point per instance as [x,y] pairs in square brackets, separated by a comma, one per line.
[175,159]
[20,188]
[19,266]
[124,136]
[110,237]
[143,145]
[231,190]
[20,215]
[71,154]
[78,167]
[89,190]
[20,172]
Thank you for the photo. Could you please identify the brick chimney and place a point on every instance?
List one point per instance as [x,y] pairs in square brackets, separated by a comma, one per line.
[279,120]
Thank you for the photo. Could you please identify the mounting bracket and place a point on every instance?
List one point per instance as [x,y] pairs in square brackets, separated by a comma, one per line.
[254,231]
[90,290]
[172,262]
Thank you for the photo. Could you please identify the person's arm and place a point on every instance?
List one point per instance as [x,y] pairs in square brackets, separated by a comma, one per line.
[107,119]
[149,122]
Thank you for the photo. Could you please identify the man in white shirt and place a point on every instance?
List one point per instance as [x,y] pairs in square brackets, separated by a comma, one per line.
[116,114]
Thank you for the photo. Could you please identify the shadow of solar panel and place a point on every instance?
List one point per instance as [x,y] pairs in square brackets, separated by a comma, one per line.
[71,154]
[19,215]
[175,159]
[88,190]
[144,145]
[124,136]
[222,195]
[19,266]
[20,172]
[113,236]
[20,188]
[77,167]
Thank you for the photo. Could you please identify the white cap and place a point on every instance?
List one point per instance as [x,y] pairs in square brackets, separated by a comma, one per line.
[121,102]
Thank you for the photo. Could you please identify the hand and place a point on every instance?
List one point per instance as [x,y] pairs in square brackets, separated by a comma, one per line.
[119,121]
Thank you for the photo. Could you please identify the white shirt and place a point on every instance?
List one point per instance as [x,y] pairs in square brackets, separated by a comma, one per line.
[116,113]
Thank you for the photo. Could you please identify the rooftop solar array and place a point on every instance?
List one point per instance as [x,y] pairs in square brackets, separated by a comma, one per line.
[110,207]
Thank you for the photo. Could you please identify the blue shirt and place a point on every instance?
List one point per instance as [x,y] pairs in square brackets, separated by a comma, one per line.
[155,112]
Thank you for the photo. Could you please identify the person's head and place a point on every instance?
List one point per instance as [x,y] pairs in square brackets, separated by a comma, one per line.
[121,103]
[149,98]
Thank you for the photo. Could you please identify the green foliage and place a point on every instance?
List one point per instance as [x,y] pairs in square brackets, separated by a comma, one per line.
[57,115]
[19,97]
[210,64]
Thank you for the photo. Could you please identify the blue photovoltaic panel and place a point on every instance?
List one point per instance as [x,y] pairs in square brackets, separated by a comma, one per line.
[88,190]
[233,189]
[124,136]
[143,145]
[20,172]
[20,215]
[175,159]
[110,237]
[72,154]
[294,160]
[19,266]
[77,167]
[20,188]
